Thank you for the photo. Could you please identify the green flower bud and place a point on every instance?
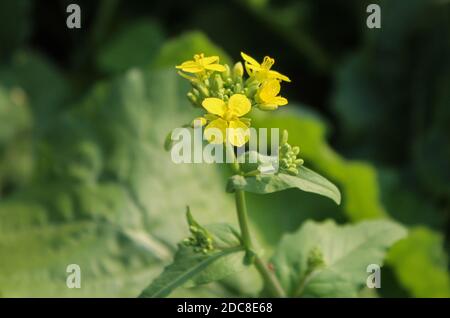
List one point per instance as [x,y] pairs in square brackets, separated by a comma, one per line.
[238,88]
[285,147]
[284,137]
[196,93]
[218,82]
[227,73]
[251,90]
[284,163]
[192,98]
[292,171]
[203,90]
[315,259]
[299,162]
[296,150]
[238,70]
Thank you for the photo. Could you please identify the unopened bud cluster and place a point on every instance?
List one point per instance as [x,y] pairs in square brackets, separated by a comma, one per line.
[222,85]
[200,240]
[289,160]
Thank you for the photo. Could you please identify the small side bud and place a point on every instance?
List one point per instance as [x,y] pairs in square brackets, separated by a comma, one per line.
[292,171]
[315,259]
[227,73]
[238,70]
[192,98]
[284,138]
[218,82]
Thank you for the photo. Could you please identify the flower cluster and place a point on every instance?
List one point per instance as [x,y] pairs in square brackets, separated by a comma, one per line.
[200,240]
[288,156]
[227,96]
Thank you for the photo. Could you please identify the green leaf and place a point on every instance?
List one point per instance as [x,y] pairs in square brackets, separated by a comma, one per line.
[46,89]
[106,196]
[420,263]
[357,180]
[306,180]
[184,47]
[195,267]
[135,45]
[328,260]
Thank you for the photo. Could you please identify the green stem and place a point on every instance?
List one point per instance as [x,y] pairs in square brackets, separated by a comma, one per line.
[243,220]
[270,279]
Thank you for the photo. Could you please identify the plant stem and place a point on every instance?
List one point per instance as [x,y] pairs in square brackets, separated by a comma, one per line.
[269,278]
[243,222]
[271,281]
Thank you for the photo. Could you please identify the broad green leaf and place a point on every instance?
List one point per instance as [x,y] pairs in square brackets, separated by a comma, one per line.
[46,89]
[184,47]
[195,267]
[420,263]
[329,260]
[110,187]
[306,180]
[135,45]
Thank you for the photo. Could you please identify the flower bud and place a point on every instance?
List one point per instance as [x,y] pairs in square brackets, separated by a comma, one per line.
[218,82]
[284,137]
[227,73]
[237,88]
[192,98]
[238,70]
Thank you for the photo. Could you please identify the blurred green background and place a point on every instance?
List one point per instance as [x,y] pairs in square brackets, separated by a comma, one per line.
[84,112]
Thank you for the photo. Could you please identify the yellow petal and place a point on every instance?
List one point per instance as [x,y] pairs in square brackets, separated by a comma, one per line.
[238,133]
[239,105]
[269,90]
[210,60]
[215,67]
[187,64]
[249,70]
[281,101]
[214,106]
[215,132]
[275,74]
[190,67]
[250,59]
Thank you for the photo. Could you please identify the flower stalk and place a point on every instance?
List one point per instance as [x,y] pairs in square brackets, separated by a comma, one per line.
[270,280]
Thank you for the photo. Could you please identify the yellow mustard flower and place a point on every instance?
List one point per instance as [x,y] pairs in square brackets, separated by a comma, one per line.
[226,119]
[201,64]
[267,96]
[262,71]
